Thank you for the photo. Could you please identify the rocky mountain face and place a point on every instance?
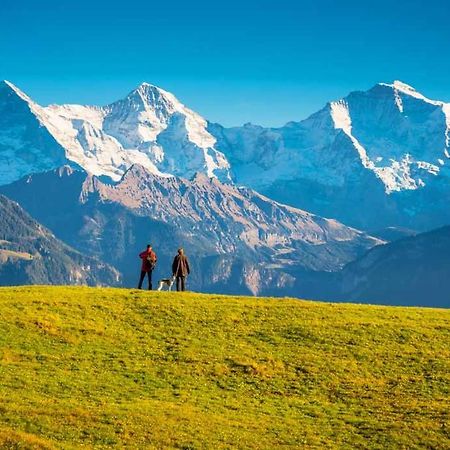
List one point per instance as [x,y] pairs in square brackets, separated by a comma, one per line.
[30,254]
[411,271]
[373,159]
[240,240]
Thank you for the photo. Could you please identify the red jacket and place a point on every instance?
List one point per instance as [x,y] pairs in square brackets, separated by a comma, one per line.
[148,266]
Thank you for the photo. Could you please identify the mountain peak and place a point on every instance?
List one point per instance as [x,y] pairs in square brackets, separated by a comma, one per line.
[401,86]
[150,96]
[146,87]
[150,90]
[6,83]
[8,86]
[397,84]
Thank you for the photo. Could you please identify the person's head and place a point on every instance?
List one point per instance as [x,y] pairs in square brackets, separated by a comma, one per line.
[180,251]
[149,246]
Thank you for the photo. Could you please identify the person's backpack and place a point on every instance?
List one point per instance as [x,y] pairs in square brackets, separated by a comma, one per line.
[151,259]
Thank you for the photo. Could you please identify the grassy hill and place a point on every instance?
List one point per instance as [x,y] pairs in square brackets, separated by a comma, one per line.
[87,367]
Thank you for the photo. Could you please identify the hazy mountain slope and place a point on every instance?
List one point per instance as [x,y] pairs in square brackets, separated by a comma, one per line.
[29,253]
[391,234]
[411,271]
[239,240]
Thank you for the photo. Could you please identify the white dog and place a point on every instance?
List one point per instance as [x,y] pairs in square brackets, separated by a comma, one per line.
[166,282]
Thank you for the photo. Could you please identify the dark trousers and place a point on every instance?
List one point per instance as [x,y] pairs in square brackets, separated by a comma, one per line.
[181,283]
[141,279]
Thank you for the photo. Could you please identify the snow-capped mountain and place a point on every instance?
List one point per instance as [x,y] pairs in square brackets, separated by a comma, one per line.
[239,240]
[26,146]
[392,130]
[373,159]
[150,127]
[354,160]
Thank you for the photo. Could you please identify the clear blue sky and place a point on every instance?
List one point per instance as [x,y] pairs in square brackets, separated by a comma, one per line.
[257,61]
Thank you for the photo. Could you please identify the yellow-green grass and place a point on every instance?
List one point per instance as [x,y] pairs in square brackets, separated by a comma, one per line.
[102,368]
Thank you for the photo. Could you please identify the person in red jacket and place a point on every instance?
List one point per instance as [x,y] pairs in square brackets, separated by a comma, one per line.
[148,264]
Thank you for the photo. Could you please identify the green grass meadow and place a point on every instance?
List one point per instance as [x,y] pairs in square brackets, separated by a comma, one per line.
[116,368]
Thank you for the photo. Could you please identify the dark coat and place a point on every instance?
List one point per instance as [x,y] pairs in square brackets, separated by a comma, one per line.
[148,260]
[180,266]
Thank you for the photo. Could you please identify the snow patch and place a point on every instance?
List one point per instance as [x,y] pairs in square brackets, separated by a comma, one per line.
[398,101]
[446,111]
[341,116]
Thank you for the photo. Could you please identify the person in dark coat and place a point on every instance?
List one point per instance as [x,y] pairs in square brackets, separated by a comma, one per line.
[149,259]
[180,269]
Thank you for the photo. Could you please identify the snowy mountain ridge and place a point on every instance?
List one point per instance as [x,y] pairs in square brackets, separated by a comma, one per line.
[374,146]
[150,127]
[373,159]
[397,176]
[383,128]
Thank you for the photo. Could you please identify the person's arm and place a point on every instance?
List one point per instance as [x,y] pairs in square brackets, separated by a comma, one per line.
[174,266]
[187,266]
[143,255]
